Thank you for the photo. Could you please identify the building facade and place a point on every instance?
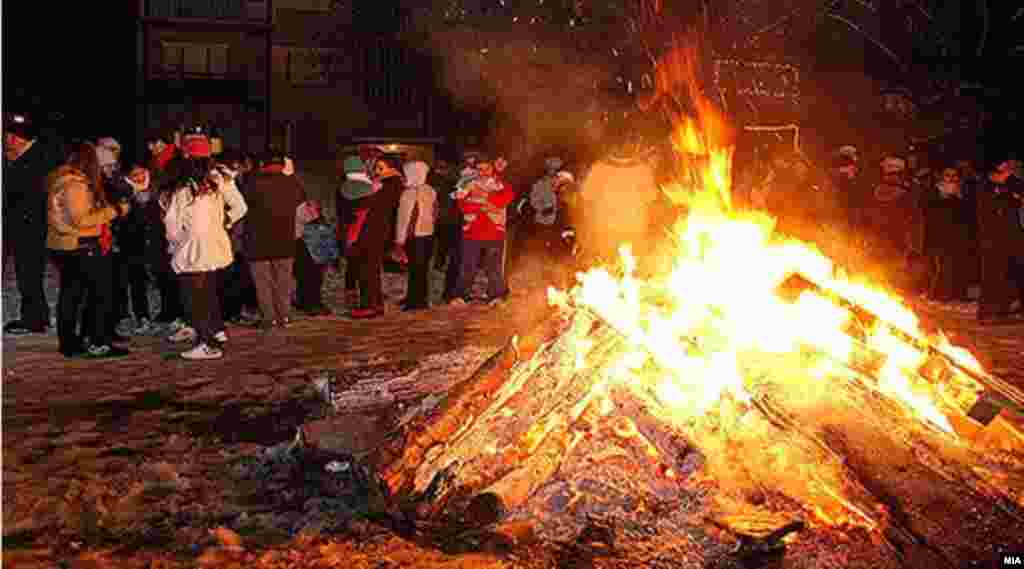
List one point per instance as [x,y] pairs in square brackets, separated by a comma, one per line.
[308,75]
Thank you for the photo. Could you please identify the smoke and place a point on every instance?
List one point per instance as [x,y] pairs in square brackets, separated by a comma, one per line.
[543,89]
[621,205]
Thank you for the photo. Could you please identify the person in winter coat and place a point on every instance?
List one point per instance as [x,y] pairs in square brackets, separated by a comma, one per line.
[28,158]
[890,218]
[131,235]
[273,197]
[449,229]
[1001,242]
[164,168]
[373,235]
[309,275]
[946,238]
[414,233]
[351,209]
[197,233]
[76,216]
[483,199]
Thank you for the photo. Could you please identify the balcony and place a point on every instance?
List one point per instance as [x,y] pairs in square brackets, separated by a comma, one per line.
[208,11]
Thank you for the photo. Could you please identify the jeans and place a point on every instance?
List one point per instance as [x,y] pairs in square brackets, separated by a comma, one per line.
[454,252]
[84,273]
[368,266]
[30,270]
[488,255]
[420,250]
[237,289]
[274,285]
[309,278]
[171,304]
[132,286]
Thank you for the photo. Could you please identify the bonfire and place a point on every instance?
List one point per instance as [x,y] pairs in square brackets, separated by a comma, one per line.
[748,398]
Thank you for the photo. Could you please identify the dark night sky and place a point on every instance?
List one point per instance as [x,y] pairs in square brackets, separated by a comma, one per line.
[76,57]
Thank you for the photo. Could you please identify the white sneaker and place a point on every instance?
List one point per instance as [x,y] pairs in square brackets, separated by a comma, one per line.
[203,352]
[185,334]
[221,337]
[126,327]
[146,328]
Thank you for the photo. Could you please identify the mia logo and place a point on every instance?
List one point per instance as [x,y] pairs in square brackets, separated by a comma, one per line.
[1012,560]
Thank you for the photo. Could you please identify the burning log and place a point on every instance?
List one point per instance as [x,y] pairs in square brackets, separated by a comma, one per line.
[798,283]
[555,434]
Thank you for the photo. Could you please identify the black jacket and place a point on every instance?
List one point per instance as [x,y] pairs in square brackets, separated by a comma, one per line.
[24,192]
[998,217]
[947,222]
[272,198]
[131,231]
[379,228]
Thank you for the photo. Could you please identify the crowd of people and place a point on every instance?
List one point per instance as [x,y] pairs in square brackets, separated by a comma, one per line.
[234,238]
[936,228]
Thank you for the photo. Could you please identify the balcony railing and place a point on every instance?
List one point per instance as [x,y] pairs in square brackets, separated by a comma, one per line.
[225,10]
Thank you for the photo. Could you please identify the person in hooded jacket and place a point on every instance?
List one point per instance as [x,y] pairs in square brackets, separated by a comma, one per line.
[1001,243]
[947,235]
[28,157]
[309,274]
[374,234]
[131,232]
[351,209]
[414,233]
[483,199]
[166,163]
[197,217]
[77,213]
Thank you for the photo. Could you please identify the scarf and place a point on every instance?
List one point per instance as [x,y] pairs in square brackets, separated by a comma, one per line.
[356,186]
[165,156]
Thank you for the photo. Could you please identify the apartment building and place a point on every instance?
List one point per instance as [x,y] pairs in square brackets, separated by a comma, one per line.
[306,74]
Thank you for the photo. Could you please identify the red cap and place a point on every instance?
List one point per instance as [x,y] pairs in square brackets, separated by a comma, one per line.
[198,146]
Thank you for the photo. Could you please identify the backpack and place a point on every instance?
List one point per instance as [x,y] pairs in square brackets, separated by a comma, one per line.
[321,241]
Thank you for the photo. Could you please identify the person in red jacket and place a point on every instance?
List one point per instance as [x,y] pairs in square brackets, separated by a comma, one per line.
[482,197]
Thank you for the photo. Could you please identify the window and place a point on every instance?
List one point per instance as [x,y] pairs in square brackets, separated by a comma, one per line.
[195,60]
[207,9]
[310,66]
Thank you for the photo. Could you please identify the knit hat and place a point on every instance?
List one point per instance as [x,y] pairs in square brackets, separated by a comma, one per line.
[354,164]
[21,124]
[105,156]
[196,143]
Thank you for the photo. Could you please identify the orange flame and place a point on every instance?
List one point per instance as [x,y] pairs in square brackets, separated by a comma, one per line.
[719,306]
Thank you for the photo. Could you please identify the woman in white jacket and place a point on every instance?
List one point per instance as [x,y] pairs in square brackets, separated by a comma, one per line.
[414,233]
[197,233]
